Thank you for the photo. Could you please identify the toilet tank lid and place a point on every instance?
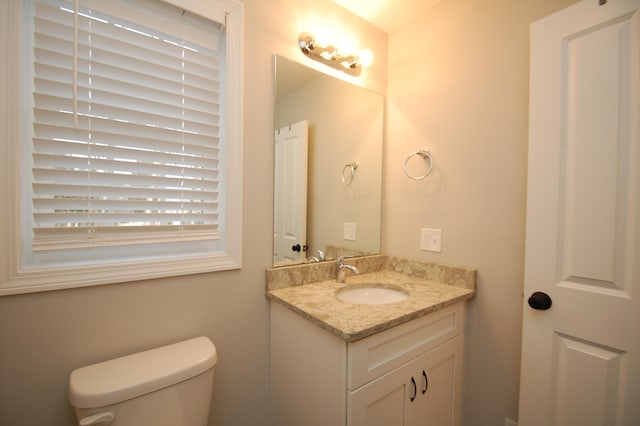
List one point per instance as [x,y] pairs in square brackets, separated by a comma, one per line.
[127,377]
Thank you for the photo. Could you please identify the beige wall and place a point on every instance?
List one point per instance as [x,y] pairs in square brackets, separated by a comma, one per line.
[458,85]
[46,335]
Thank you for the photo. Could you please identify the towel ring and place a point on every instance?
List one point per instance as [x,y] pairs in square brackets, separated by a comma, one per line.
[426,155]
[351,168]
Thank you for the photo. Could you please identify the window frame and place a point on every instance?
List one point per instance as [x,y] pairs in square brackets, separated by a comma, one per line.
[16,278]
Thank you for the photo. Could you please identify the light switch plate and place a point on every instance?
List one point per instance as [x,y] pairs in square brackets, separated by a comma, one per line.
[431,239]
[349,231]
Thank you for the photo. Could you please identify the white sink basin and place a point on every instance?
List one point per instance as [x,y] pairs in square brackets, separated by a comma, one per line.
[371,294]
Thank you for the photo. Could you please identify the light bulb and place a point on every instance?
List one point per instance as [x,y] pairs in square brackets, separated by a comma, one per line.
[365,58]
[323,38]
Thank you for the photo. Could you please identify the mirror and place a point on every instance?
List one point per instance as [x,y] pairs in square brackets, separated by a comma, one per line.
[328,166]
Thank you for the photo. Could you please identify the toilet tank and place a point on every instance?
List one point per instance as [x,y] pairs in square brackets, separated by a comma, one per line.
[166,386]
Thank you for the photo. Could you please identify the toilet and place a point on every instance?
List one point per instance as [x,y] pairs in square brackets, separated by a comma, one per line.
[165,386]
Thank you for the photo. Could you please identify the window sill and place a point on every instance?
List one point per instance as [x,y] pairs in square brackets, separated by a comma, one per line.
[31,281]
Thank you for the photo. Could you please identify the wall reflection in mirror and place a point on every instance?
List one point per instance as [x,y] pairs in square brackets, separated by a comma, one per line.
[328,166]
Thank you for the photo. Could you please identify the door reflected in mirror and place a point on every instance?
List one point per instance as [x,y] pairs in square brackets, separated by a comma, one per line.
[328,166]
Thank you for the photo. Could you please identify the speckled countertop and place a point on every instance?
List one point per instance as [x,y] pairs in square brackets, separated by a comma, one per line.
[430,287]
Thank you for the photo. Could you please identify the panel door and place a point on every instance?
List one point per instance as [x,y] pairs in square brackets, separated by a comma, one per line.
[581,344]
[290,193]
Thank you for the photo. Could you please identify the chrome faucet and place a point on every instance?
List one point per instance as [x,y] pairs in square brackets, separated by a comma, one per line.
[342,266]
[320,257]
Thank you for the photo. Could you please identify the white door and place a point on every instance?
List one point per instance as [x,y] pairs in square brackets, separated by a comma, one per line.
[581,357]
[290,193]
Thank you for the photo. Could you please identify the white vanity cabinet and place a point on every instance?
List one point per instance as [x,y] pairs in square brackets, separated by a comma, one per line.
[410,374]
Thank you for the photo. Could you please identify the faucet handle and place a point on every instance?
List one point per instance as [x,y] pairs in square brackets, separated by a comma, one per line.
[342,258]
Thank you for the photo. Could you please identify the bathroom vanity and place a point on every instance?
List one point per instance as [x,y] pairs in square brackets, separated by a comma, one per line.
[342,363]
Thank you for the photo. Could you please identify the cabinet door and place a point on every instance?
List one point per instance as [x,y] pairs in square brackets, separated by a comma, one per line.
[385,401]
[439,401]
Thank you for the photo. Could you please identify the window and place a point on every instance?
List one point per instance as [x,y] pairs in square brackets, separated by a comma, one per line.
[130,142]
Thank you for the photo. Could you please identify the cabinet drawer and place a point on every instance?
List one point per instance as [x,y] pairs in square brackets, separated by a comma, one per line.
[371,357]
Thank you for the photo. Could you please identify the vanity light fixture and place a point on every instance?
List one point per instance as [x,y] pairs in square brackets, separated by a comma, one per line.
[330,55]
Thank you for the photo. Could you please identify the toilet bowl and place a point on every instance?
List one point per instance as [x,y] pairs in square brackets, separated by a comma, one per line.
[166,386]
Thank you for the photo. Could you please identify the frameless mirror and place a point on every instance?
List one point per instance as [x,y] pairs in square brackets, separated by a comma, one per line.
[328,166]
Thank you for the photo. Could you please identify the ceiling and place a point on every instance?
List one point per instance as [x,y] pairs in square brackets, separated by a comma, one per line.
[388,15]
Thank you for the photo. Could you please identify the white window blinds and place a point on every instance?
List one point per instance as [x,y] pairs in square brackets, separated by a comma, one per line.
[127,124]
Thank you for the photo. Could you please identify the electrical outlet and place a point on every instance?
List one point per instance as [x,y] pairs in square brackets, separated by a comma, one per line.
[349,231]
[431,239]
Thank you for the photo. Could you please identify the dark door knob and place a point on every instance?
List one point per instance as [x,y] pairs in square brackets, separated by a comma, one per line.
[540,301]
[296,248]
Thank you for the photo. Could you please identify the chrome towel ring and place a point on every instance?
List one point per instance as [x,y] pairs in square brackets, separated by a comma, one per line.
[350,168]
[426,155]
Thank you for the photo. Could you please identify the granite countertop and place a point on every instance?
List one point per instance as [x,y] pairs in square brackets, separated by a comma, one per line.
[317,301]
